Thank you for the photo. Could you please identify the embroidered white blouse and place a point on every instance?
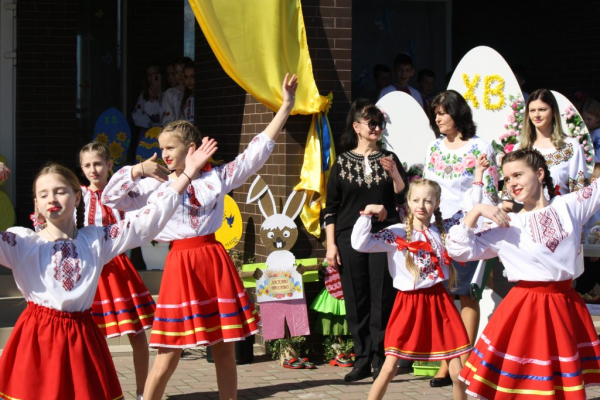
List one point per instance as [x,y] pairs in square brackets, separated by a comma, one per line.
[541,245]
[63,275]
[202,205]
[454,171]
[567,166]
[385,241]
[171,107]
[147,113]
[97,213]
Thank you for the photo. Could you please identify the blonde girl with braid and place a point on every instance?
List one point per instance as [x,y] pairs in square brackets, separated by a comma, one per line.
[424,324]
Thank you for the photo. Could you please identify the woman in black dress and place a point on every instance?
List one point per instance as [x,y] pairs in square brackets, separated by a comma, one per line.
[363,174]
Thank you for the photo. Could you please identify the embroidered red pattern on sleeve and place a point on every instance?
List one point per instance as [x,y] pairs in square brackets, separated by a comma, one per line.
[114,230]
[586,192]
[9,238]
[386,235]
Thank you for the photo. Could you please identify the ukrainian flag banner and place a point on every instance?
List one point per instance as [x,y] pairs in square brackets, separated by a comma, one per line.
[257,43]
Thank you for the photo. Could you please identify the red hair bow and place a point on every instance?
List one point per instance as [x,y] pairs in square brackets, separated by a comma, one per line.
[414,247]
[207,167]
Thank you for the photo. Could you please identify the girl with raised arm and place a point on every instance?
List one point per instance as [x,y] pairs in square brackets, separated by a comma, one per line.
[55,350]
[541,340]
[202,300]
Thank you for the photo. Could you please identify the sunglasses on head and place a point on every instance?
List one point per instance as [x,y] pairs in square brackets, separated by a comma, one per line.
[374,124]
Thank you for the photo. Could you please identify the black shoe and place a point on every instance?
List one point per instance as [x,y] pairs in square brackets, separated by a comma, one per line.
[440,382]
[376,372]
[357,374]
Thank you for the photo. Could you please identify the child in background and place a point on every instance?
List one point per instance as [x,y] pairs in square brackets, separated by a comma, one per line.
[382,76]
[426,83]
[171,102]
[202,300]
[186,108]
[404,70]
[123,305]
[147,112]
[172,80]
[424,324]
[55,350]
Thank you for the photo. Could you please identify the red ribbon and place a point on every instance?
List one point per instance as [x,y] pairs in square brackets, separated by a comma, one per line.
[207,167]
[414,247]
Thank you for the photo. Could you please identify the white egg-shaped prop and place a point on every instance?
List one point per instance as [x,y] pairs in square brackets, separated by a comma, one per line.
[573,125]
[489,86]
[408,131]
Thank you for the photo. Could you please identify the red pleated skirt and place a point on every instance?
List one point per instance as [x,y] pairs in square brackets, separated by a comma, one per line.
[202,300]
[539,344]
[55,355]
[122,305]
[425,325]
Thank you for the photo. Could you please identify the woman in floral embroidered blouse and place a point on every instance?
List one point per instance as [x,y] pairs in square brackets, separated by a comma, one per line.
[542,130]
[450,161]
[363,174]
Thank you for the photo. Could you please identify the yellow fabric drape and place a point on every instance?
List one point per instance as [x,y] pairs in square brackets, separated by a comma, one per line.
[257,43]
[313,179]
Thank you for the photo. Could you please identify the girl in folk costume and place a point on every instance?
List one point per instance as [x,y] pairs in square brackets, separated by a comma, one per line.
[172,99]
[540,341]
[186,106]
[123,305]
[202,300]
[425,324]
[147,112]
[55,342]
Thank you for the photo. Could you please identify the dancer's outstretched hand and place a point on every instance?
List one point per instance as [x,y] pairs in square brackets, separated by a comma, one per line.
[151,169]
[195,160]
[289,90]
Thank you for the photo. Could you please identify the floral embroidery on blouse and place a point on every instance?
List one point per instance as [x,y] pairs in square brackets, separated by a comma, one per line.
[546,229]
[114,230]
[559,156]
[385,235]
[452,166]
[352,168]
[67,268]
[9,238]
[577,183]
[586,192]
[453,220]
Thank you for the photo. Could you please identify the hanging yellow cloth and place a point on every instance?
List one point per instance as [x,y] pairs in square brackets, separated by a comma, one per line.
[319,157]
[257,43]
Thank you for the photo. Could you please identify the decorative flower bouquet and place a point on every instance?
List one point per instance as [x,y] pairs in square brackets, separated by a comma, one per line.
[578,130]
[414,172]
[513,127]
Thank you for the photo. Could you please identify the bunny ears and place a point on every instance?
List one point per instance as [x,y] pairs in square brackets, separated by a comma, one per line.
[259,190]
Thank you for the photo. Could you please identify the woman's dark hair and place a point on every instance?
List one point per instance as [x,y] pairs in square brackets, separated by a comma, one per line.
[152,64]
[535,160]
[455,105]
[361,109]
